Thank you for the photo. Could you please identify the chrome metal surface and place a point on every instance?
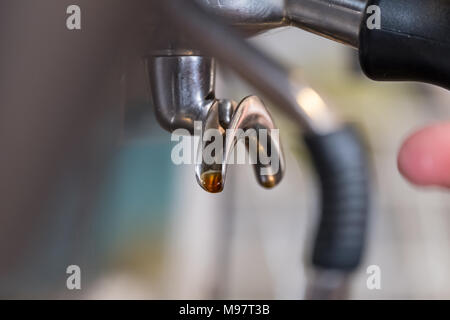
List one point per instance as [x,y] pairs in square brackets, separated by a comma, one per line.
[312,107]
[338,20]
[295,99]
[249,114]
[226,112]
[183,93]
[250,16]
[182,89]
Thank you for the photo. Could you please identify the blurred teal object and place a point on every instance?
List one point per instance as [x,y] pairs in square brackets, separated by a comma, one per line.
[136,195]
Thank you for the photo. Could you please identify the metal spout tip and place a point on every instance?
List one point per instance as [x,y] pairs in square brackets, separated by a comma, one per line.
[249,122]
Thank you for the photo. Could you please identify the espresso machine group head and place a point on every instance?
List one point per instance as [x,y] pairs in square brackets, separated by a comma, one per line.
[183,90]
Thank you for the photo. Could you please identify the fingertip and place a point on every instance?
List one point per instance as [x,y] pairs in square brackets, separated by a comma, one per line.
[424,158]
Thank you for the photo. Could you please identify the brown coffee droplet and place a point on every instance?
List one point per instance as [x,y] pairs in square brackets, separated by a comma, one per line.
[269,182]
[212,181]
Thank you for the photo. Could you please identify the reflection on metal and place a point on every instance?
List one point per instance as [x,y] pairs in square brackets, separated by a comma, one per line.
[251,64]
[249,114]
[249,16]
[338,20]
[183,89]
[183,93]
[315,108]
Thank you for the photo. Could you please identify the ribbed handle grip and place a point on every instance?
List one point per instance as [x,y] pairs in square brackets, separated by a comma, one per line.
[342,166]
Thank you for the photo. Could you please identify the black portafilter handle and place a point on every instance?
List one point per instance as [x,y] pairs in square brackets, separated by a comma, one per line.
[342,166]
[412,43]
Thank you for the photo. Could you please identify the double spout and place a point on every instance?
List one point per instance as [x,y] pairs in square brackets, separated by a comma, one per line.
[184,97]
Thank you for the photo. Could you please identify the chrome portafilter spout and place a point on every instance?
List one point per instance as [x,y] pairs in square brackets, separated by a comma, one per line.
[250,123]
[182,88]
[184,98]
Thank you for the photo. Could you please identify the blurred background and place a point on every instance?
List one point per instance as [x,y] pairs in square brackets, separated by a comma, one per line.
[153,233]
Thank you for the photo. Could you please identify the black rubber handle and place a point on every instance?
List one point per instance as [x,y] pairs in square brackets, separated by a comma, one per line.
[341,163]
[413,43]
